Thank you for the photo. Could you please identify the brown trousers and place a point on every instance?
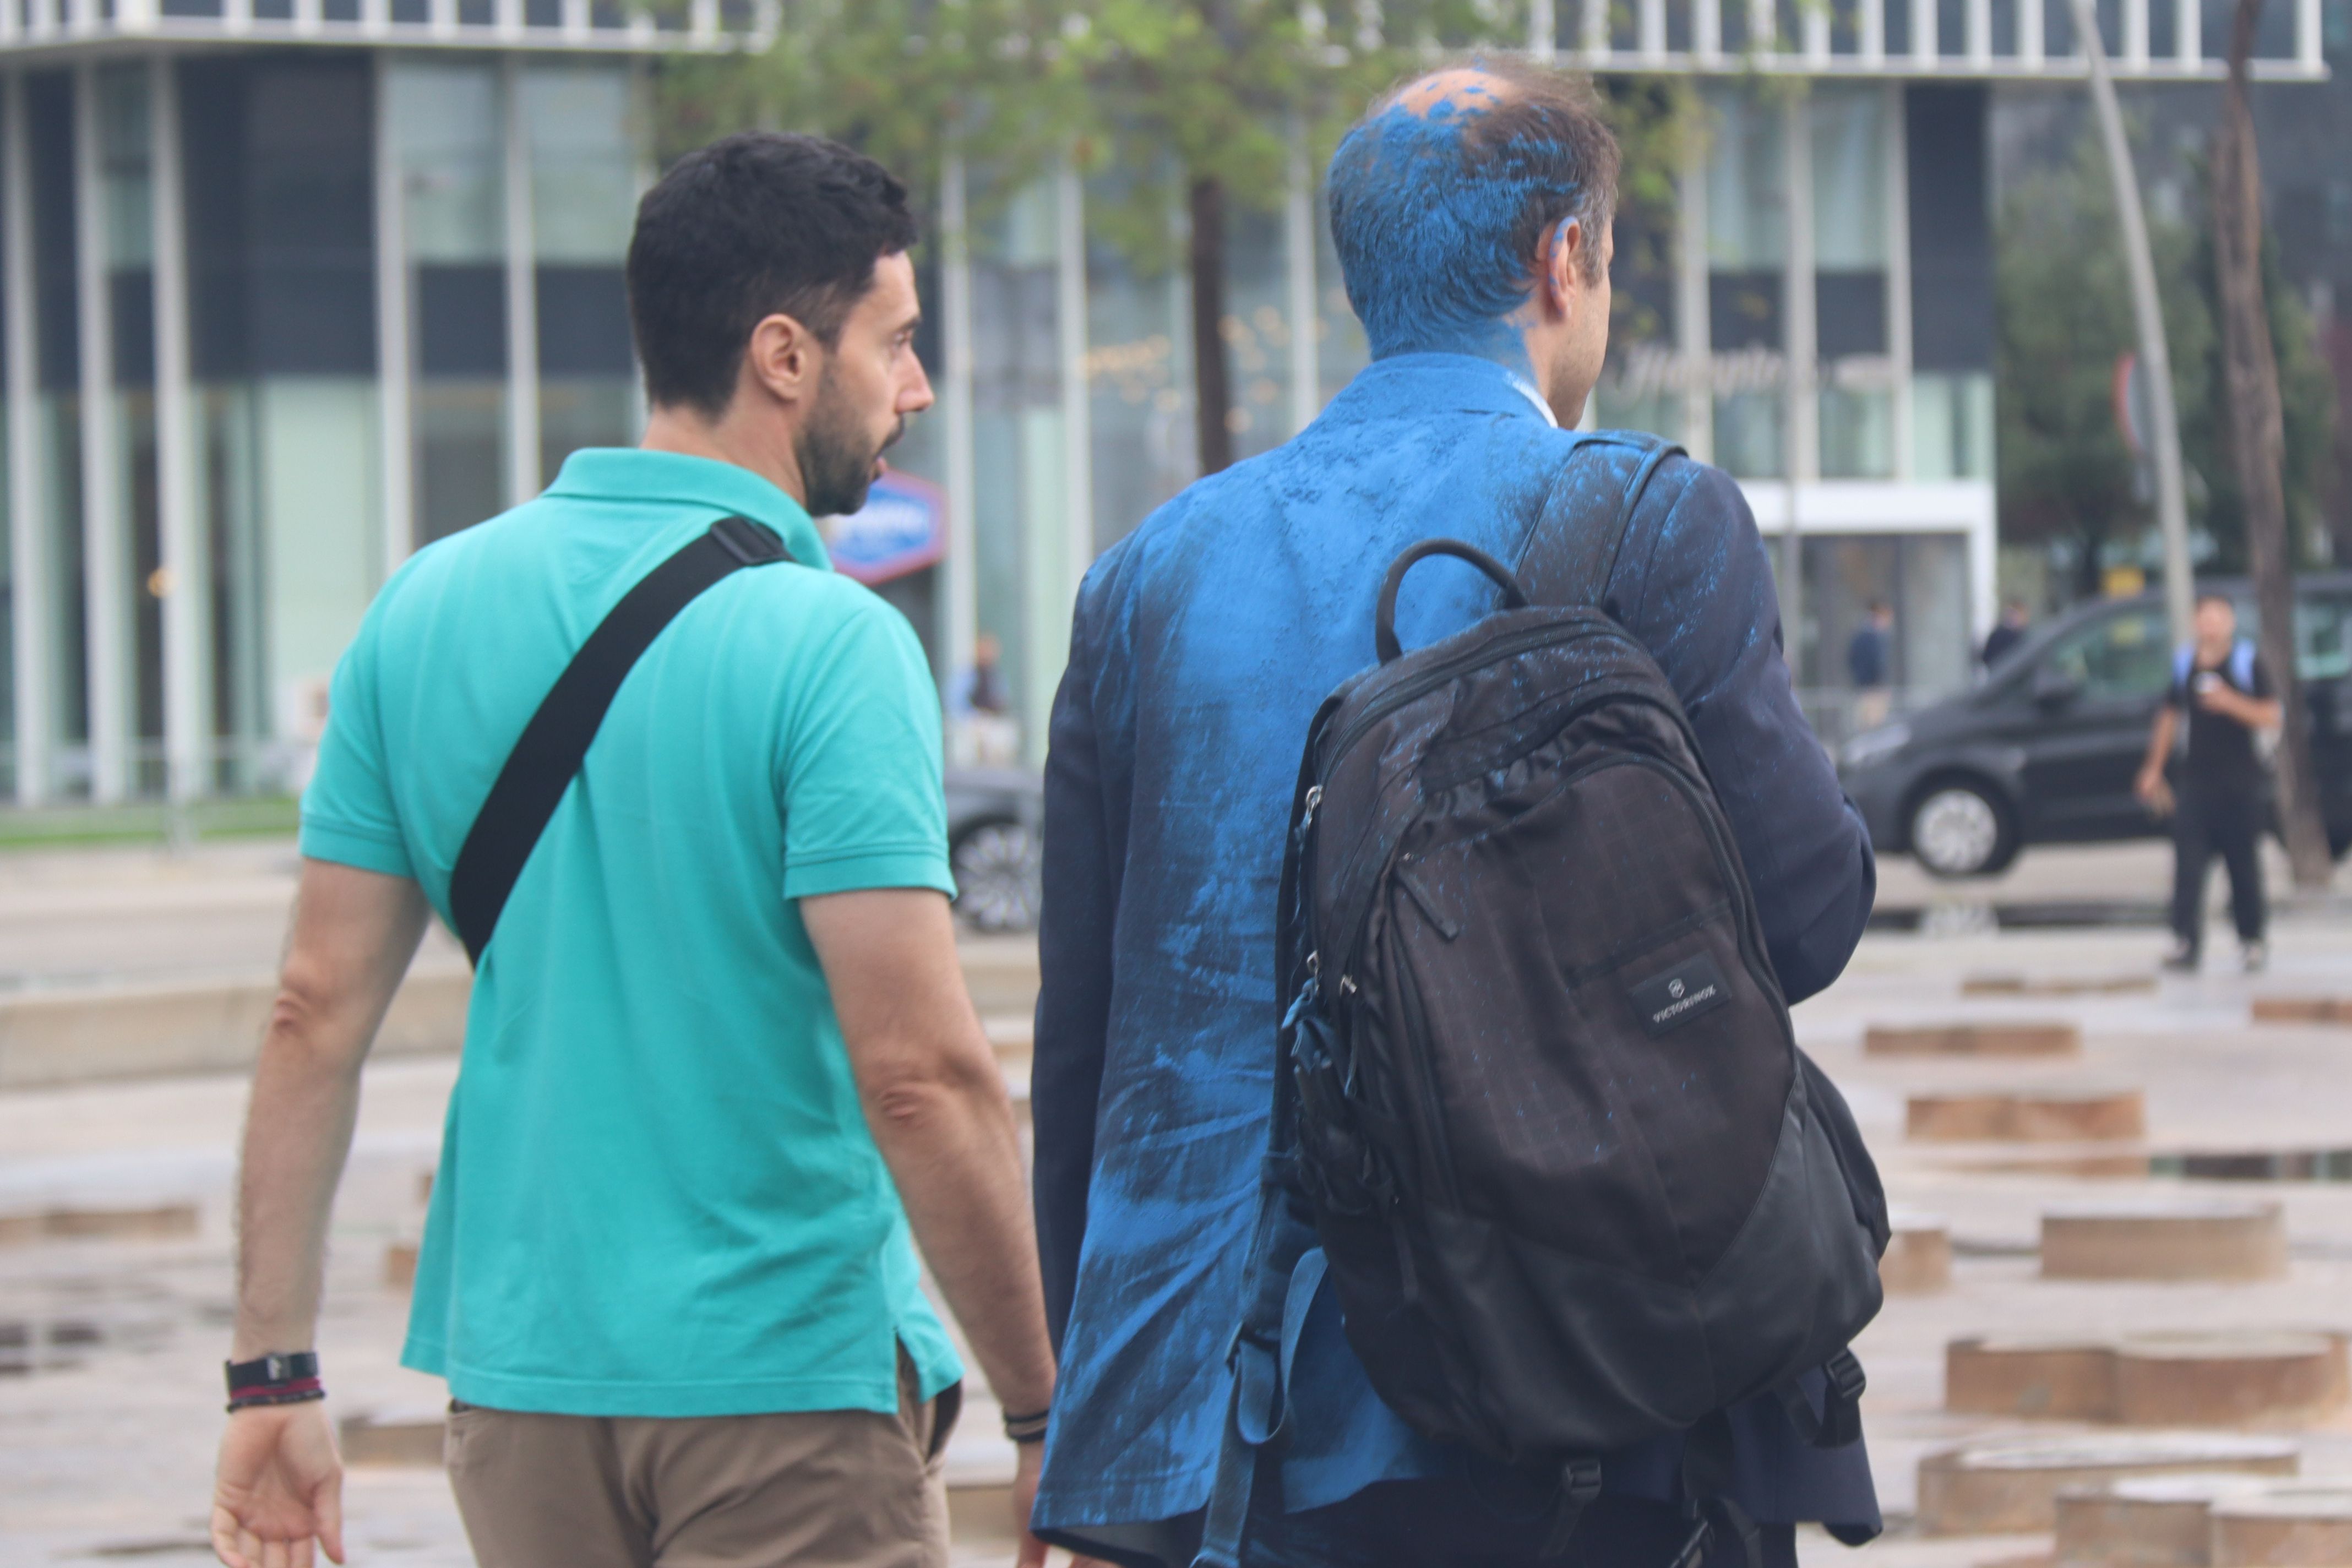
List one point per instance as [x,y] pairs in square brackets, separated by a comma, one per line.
[829,1489]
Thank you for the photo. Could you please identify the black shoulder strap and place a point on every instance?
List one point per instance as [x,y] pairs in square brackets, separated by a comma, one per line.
[1571,546]
[555,742]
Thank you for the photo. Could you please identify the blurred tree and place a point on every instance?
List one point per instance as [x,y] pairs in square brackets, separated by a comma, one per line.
[2064,317]
[1198,105]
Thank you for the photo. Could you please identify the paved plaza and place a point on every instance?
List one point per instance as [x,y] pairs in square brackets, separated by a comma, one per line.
[111,1343]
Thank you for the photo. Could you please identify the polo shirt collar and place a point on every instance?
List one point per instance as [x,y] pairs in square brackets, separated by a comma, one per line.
[633,474]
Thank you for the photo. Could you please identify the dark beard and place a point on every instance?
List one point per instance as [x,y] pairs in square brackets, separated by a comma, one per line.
[836,464]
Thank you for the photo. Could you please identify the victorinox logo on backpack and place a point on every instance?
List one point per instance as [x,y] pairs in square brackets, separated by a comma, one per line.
[1690,988]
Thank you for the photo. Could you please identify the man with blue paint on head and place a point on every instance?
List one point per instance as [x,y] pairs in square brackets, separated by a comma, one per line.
[1470,211]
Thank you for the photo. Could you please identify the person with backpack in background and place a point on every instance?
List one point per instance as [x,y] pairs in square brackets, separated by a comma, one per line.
[2221,685]
[1471,210]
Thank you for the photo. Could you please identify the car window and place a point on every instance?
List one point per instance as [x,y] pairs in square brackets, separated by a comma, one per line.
[2125,654]
[2323,638]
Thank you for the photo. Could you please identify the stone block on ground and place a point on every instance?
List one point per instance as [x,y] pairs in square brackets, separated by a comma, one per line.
[2015,985]
[1973,1039]
[2144,1521]
[2228,1379]
[2186,1239]
[2043,1116]
[154,1222]
[2303,1009]
[2284,1527]
[400,1266]
[2012,1486]
[408,1435]
[1918,1255]
[2070,1379]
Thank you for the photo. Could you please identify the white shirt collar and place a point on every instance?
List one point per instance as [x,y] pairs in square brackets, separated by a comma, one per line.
[1526,389]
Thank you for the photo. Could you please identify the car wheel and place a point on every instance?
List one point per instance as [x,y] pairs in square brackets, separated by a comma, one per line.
[1957,829]
[997,870]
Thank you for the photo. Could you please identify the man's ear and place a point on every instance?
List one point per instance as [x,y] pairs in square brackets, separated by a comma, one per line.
[784,357]
[1561,262]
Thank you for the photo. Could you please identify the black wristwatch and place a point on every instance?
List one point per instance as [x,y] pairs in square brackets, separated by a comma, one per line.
[275,1379]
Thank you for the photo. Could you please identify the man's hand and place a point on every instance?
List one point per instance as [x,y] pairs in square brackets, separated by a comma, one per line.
[1024,1501]
[2154,792]
[279,1486]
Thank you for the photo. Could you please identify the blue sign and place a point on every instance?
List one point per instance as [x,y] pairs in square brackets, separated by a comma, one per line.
[902,528]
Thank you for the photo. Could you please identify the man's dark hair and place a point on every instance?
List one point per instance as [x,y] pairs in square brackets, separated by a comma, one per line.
[2212,597]
[755,224]
[1438,217]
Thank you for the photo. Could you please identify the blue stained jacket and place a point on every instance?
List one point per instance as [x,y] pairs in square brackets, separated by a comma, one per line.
[1203,643]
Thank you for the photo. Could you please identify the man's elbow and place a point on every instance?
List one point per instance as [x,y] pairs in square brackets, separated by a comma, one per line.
[314,1027]
[914,1092]
[1808,961]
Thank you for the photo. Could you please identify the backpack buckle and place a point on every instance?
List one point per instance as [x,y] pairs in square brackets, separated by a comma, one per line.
[1845,1376]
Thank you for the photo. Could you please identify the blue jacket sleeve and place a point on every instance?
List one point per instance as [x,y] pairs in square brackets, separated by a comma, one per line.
[1074,956]
[1694,583]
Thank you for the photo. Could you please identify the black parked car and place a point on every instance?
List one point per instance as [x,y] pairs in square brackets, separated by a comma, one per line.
[2044,748]
[995,846]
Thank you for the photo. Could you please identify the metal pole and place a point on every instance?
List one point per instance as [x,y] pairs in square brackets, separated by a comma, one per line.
[1077,405]
[394,367]
[1694,323]
[2147,313]
[106,621]
[1799,340]
[1298,276]
[522,298]
[1899,273]
[32,575]
[186,733]
[959,616]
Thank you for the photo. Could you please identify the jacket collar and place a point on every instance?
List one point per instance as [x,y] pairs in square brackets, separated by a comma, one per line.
[1425,382]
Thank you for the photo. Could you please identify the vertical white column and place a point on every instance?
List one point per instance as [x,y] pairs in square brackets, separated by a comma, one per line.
[1924,48]
[1979,33]
[1298,281]
[1543,22]
[307,16]
[393,363]
[2030,28]
[1800,333]
[1654,30]
[2188,35]
[28,530]
[958,612]
[1078,395]
[106,618]
[2308,36]
[522,297]
[236,16]
[1596,31]
[1706,30]
[1763,28]
[1692,322]
[2135,37]
[1870,41]
[576,20]
[187,727]
[1898,274]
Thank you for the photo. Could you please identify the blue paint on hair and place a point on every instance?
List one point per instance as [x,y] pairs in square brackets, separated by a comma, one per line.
[1424,226]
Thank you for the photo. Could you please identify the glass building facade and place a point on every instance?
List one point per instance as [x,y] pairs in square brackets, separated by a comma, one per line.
[290,289]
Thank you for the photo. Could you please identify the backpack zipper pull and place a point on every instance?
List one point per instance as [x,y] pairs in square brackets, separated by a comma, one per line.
[1314,799]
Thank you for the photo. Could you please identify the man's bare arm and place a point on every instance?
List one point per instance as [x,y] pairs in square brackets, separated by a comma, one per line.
[2150,786]
[936,1102]
[280,1482]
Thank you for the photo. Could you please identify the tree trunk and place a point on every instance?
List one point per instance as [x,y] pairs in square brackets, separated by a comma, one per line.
[1212,396]
[2258,444]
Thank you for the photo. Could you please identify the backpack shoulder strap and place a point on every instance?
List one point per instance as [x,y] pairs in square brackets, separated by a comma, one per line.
[555,742]
[1572,543]
[2241,665]
[2184,659]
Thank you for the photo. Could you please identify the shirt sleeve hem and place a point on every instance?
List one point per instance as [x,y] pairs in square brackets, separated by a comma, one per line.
[858,870]
[348,846]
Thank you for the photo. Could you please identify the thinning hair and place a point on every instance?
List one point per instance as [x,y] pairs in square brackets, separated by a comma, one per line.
[1439,214]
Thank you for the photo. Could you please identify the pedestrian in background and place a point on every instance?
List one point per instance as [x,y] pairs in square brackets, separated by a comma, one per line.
[2220,683]
[722,1036]
[1869,659]
[2007,633]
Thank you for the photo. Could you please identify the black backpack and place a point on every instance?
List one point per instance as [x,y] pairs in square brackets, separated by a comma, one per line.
[1539,1108]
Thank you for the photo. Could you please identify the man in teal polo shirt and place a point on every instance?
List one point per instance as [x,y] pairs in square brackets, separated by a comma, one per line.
[719,1055]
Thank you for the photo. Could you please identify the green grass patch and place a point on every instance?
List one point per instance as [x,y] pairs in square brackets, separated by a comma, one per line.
[147,822]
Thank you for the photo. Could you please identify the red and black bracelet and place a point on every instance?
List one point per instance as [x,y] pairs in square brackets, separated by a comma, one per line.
[275,1380]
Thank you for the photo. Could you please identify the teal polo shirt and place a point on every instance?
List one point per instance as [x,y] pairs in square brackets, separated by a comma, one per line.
[657,1195]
